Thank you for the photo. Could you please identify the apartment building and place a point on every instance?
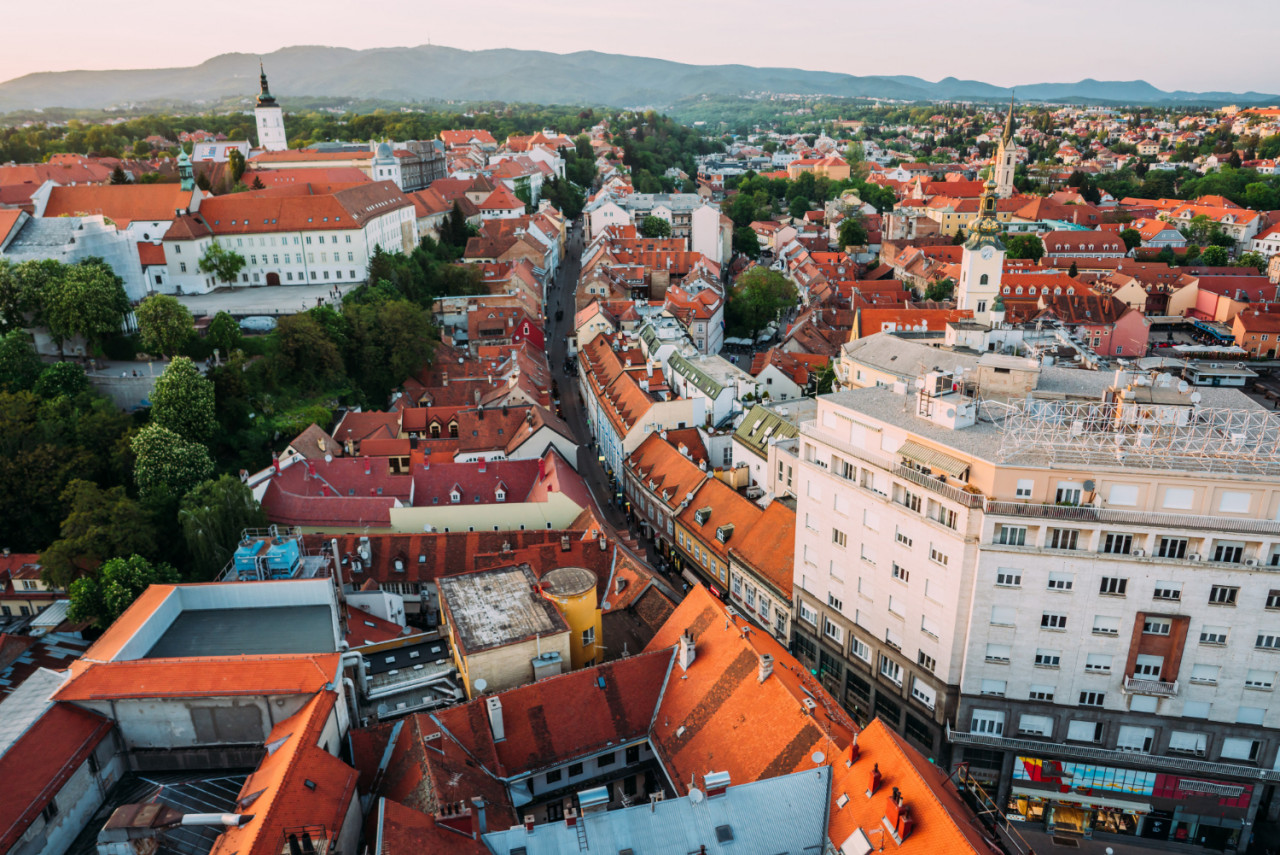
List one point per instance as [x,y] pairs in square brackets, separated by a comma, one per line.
[1075,592]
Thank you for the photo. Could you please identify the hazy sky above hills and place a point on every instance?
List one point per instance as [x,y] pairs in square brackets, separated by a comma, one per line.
[1173,44]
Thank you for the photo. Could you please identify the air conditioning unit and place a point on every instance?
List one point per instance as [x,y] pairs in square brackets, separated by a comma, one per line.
[1199,752]
[1195,556]
[1138,553]
[1251,562]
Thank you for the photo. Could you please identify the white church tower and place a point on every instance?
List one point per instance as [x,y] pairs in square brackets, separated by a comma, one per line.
[1004,166]
[270,119]
[982,261]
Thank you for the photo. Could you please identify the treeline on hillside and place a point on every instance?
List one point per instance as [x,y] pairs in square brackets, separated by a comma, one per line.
[651,144]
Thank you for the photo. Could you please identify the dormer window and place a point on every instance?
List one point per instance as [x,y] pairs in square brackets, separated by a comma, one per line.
[455,497]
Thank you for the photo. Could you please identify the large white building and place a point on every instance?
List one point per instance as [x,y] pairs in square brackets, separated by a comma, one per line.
[290,239]
[690,216]
[1074,590]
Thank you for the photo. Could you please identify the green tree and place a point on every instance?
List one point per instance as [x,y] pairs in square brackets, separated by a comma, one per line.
[224,264]
[87,300]
[940,290]
[758,297]
[183,402]
[20,365]
[1073,271]
[104,596]
[100,523]
[826,379]
[746,242]
[212,517]
[1253,259]
[118,176]
[1261,196]
[1028,247]
[235,163]
[165,324]
[655,227]
[308,358]
[224,334]
[389,341]
[852,232]
[800,206]
[1214,256]
[65,379]
[959,238]
[1131,237]
[168,466]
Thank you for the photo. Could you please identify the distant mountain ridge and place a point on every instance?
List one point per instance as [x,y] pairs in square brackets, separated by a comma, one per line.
[433,72]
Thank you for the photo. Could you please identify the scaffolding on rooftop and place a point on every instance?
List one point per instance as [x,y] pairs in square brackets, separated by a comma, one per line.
[1141,435]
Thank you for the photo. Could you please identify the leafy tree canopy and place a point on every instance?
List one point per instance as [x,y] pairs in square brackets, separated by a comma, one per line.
[165,324]
[183,401]
[212,517]
[225,264]
[99,524]
[102,597]
[655,227]
[168,466]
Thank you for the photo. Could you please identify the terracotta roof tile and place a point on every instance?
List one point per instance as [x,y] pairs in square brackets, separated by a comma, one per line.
[218,676]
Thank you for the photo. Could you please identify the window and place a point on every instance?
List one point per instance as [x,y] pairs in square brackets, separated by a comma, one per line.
[1228,551]
[1023,490]
[868,554]
[1213,635]
[1117,544]
[923,693]
[835,602]
[1040,693]
[1060,581]
[839,538]
[1167,590]
[859,648]
[901,538]
[1196,709]
[892,639]
[1136,739]
[926,661]
[807,614]
[1004,615]
[1148,666]
[182,266]
[1055,621]
[633,755]
[1035,725]
[1267,641]
[50,810]
[1241,749]
[604,760]
[900,573]
[1067,494]
[910,500]
[1012,535]
[890,670]
[1273,599]
[1223,595]
[1156,626]
[589,636]
[1124,495]
[990,722]
[1000,653]
[1231,502]
[1092,699]
[1084,731]
[1063,538]
[1048,658]
[1259,679]
[928,627]
[895,606]
[1098,663]
[1172,547]
[575,769]
[832,631]
[1250,715]
[994,688]
[1185,742]
[1205,675]
[1113,586]
[938,557]
[1007,578]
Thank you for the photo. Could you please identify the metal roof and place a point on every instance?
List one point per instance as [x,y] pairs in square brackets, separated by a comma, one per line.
[932,458]
[247,631]
[787,814]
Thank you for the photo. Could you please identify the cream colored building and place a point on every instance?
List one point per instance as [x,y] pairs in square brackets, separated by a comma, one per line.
[1083,575]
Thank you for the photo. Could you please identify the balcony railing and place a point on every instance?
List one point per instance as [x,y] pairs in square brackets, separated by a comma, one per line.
[969,500]
[1144,686]
[1110,757]
[1092,514]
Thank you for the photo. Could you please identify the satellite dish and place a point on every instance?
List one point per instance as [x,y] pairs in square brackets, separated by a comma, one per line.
[818,757]
[481,684]
[1195,397]
[695,796]
[328,458]
[1089,485]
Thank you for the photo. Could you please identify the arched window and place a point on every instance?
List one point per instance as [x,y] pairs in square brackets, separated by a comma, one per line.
[983,280]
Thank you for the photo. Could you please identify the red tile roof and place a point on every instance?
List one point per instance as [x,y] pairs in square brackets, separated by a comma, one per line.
[768,548]
[298,209]
[150,253]
[121,203]
[42,760]
[406,831]
[218,676]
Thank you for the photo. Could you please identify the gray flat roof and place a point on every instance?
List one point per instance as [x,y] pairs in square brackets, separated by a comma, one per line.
[235,632]
[496,607]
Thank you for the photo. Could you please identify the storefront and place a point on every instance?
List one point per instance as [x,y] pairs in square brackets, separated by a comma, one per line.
[1089,800]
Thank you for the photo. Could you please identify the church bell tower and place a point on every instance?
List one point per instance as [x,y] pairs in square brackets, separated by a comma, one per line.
[982,260]
[270,118]
[1004,166]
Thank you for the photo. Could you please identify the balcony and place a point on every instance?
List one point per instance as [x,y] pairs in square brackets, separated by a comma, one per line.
[1093,514]
[1145,686]
[1107,756]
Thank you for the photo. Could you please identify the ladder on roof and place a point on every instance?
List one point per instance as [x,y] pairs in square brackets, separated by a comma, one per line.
[581,826]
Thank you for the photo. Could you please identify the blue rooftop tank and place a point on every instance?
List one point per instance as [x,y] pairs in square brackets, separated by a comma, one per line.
[283,558]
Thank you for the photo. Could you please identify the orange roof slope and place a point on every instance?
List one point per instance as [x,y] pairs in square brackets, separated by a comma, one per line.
[219,676]
[942,821]
[722,717]
[297,784]
[768,547]
[122,203]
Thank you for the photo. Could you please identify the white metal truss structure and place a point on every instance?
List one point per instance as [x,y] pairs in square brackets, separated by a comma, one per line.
[1145,436]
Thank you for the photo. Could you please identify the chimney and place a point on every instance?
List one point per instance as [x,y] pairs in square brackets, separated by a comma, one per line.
[716,783]
[494,704]
[478,804]
[444,378]
[482,464]
[686,652]
[528,823]
[570,818]
[766,666]
[850,754]
[874,781]
[456,816]
[368,465]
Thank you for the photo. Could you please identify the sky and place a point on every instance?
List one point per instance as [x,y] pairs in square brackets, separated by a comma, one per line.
[1005,42]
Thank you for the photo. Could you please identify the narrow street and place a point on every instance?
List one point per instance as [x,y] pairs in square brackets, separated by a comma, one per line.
[559,298]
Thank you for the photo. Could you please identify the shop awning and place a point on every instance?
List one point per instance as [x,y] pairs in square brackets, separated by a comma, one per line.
[1074,798]
[926,456]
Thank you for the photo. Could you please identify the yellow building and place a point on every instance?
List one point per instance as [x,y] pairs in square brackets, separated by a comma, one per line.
[504,631]
[573,590]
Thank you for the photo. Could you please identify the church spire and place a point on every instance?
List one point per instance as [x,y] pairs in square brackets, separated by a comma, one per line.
[1005,138]
[265,97]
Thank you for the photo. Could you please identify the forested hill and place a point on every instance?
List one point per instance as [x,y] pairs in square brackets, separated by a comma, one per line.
[433,73]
